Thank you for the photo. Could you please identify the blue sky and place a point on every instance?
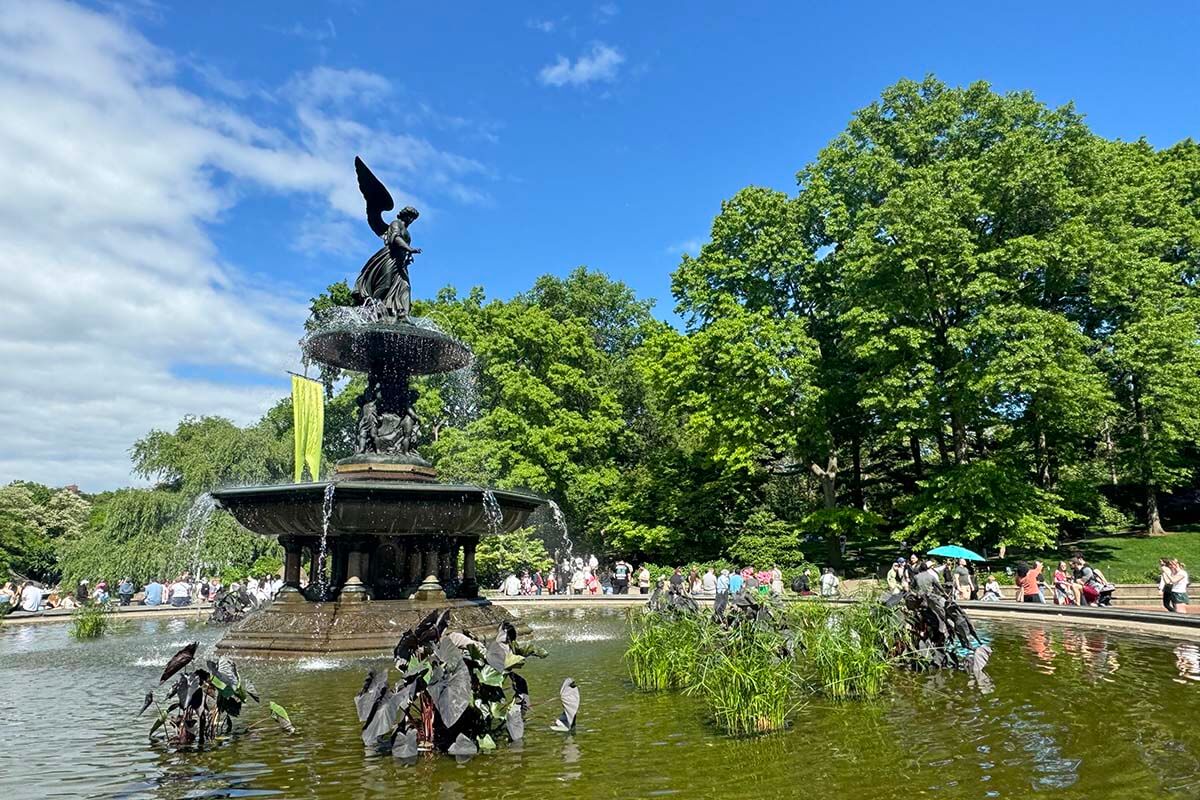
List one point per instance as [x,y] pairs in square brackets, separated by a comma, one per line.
[621,172]
[210,146]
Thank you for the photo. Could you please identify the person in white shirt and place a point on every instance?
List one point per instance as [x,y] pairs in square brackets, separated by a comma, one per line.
[1174,582]
[776,581]
[263,593]
[31,597]
[708,584]
[829,583]
[511,585]
[181,593]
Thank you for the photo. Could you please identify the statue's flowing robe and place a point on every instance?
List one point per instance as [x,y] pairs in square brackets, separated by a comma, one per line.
[385,275]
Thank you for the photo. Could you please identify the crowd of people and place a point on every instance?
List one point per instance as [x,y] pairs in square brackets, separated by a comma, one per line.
[183,590]
[1073,583]
[586,576]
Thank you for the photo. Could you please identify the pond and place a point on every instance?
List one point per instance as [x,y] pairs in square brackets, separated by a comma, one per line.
[1072,714]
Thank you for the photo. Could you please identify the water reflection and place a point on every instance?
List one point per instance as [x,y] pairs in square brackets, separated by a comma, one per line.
[1070,713]
[1187,659]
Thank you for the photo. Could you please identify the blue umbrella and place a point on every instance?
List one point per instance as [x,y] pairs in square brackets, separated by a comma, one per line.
[954,551]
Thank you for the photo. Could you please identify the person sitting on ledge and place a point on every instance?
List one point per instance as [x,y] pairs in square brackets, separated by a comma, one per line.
[154,593]
[1094,587]
[1066,590]
[125,591]
[181,593]
[991,590]
[829,583]
[1027,583]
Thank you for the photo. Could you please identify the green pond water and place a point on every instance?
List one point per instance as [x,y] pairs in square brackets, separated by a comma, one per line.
[1071,714]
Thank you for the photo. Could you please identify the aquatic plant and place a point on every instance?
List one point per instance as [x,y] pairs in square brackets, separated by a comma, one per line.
[456,694]
[664,649]
[752,661]
[90,621]
[202,704]
[846,651]
[748,684]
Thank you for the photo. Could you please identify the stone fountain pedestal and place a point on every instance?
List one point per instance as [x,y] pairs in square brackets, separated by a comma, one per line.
[294,627]
[381,555]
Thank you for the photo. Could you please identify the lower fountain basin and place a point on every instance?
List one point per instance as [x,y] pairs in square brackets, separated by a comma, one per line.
[384,508]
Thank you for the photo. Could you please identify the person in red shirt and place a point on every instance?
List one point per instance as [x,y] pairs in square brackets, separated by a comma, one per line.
[1027,583]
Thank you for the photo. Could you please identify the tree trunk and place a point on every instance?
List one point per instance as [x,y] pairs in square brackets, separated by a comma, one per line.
[1109,453]
[1043,461]
[828,479]
[959,431]
[943,451]
[914,445]
[1153,521]
[856,489]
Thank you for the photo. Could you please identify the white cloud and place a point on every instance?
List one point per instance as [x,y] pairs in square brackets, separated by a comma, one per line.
[542,25]
[600,64]
[111,174]
[605,12]
[689,246]
[319,33]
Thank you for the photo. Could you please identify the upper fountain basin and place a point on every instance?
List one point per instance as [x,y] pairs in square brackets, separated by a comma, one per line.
[386,348]
[382,508]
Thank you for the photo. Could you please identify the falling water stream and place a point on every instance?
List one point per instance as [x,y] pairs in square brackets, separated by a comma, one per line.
[326,515]
[195,525]
[560,523]
[492,514]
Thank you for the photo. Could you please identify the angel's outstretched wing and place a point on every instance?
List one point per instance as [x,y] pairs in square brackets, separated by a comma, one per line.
[376,195]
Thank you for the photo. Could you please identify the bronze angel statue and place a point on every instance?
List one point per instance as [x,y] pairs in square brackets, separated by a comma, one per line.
[384,277]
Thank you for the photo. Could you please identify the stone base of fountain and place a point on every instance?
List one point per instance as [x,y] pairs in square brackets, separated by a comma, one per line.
[373,467]
[293,627]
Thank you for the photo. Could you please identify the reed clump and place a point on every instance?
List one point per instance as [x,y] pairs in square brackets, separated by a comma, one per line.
[846,652]
[664,650]
[90,621]
[748,684]
[753,662]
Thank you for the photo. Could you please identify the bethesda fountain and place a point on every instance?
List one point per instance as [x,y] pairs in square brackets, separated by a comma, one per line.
[385,541]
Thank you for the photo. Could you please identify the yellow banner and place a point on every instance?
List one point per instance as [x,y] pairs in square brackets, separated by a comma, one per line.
[308,419]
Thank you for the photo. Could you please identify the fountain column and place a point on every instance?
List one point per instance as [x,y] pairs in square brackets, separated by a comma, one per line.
[430,588]
[314,573]
[293,550]
[357,563]
[470,584]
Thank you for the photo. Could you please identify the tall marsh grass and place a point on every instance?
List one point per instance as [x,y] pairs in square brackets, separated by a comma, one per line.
[663,650]
[753,674]
[845,652]
[90,621]
[747,684]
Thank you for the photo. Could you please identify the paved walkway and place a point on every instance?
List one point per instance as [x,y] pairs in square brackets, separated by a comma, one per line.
[1143,617]
[201,610]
